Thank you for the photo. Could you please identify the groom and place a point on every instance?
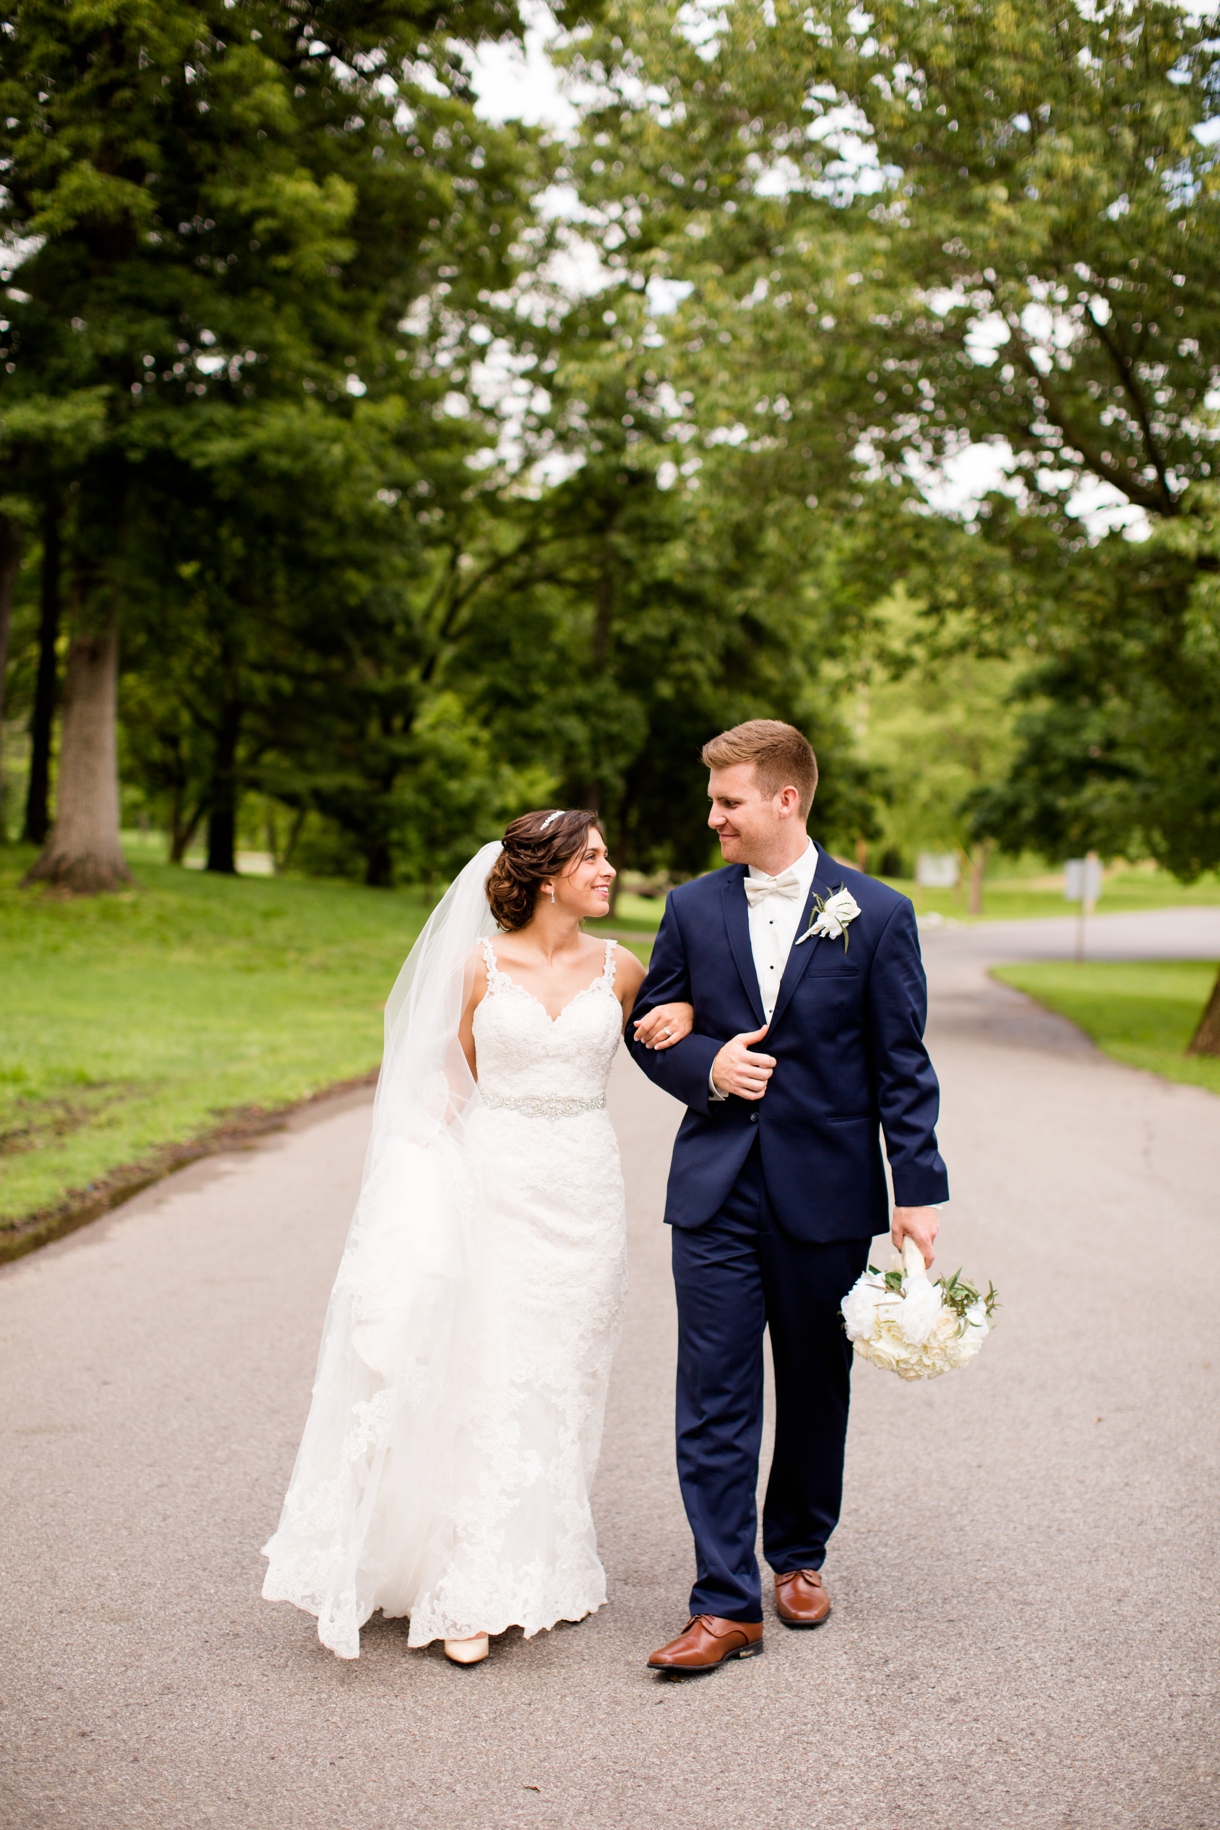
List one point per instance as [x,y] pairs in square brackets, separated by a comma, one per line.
[804,1047]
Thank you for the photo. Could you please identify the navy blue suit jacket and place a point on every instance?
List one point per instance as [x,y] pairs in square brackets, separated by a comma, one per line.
[847,1037]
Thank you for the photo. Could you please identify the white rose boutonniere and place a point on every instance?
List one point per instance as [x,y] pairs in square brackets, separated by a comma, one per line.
[832,917]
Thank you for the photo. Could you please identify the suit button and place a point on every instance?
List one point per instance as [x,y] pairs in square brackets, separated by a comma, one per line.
[754,1118]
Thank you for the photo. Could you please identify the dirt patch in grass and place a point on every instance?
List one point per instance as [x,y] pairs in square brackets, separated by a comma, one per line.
[32,1124]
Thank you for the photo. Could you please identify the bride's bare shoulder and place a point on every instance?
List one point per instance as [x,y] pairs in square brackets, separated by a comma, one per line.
[475,975]
[629,974]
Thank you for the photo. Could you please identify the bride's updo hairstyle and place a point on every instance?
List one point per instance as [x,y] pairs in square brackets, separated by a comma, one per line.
[538,847]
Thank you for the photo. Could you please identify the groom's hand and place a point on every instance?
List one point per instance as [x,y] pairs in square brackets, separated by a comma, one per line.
[918,1223]
[736,1070]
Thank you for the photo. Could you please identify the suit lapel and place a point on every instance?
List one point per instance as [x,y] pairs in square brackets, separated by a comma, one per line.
[799,957]
[737,922]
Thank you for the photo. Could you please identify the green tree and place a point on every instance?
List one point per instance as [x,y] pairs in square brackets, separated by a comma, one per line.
[225,215]
[658,594]
[930,224]
[920,226]
[304,564]
[10,567]
[1058,199]
[699,545]
[933,716]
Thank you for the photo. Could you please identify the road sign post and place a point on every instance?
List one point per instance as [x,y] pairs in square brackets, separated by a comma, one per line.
[1082,885]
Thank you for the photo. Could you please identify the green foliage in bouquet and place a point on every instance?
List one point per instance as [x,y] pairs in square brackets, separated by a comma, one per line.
[956,1292]
[959,1295]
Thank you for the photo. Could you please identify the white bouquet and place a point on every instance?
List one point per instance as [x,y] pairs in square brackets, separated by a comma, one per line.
[903,1322]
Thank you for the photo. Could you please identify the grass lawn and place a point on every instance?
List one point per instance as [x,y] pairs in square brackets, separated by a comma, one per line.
[638,913]
[1142,1013]
[133,1022]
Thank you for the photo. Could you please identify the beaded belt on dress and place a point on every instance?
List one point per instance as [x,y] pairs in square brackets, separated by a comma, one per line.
[547,1105]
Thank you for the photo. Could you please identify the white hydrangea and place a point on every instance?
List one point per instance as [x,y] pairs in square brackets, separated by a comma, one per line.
[904,1325]
[860,1306]
[920,1308]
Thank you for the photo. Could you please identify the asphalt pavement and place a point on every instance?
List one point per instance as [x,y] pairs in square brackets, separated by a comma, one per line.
[1026,1622]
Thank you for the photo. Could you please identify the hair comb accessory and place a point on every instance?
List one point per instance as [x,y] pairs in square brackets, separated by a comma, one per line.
[549,818]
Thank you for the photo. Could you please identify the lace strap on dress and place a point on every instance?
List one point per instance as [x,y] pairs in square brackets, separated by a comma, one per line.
[495,977]
[610,967]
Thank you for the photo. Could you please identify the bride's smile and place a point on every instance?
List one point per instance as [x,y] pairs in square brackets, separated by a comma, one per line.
[549,956]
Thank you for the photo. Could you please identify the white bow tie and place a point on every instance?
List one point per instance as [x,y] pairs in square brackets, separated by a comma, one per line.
[787,884]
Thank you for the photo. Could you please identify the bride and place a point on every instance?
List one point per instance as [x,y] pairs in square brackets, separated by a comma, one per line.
[445,1467]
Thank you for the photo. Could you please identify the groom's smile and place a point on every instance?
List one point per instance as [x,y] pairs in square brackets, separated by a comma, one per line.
[753,827]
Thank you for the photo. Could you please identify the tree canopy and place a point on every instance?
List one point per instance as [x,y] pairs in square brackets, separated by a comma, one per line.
[915,228]
[390,533]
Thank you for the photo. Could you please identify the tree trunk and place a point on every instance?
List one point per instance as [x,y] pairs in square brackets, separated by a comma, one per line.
[83,852]
[10,561]
[37,804]
[182,829]
[183,819]
[378,865]
[615,822]
[1206,1039]
[222,805]
[294,833]
[978,870]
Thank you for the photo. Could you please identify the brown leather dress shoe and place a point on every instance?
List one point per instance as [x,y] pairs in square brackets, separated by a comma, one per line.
[801,1599]
[708,1642]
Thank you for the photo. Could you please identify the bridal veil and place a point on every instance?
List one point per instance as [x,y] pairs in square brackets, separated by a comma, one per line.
[375,1468]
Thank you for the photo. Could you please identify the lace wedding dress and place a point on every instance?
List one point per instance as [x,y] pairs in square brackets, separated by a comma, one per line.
[457,1414]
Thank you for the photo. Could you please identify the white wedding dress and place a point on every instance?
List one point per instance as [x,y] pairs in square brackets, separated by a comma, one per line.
[456,1420]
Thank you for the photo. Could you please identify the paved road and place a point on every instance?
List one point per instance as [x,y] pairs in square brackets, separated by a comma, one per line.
[1026,1619]
[1161,934]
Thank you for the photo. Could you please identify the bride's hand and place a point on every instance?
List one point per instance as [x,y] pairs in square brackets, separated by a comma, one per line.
[665,1025]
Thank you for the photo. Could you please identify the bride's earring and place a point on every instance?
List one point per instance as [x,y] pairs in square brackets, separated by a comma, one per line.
[551,891]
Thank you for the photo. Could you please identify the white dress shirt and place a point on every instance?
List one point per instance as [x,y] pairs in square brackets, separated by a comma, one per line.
[774,921]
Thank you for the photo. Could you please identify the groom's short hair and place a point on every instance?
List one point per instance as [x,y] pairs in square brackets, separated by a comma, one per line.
[781,756]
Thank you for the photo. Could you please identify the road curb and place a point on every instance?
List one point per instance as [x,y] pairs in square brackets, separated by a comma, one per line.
[81,1206]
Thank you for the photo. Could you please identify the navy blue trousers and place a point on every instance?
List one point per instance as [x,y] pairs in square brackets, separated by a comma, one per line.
[735,1276]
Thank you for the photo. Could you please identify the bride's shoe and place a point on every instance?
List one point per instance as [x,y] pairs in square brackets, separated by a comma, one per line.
[468,1651]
